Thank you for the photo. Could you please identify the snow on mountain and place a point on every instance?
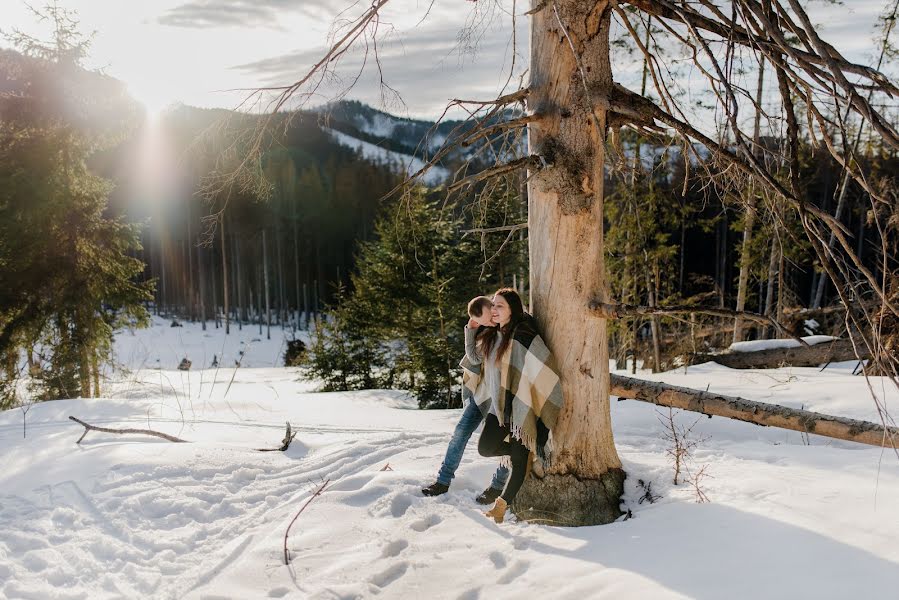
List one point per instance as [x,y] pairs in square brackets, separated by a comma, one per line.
[379,125]
[382,156]
[129,516]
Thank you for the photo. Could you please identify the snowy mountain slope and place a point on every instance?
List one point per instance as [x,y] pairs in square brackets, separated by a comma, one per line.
[400,134]
[382,156]
[131,516]
[385,138]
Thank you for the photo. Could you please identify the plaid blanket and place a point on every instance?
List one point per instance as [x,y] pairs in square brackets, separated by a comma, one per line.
[529,387]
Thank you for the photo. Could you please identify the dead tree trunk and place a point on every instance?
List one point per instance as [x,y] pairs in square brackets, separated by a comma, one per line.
[241,308]
[296,267]
[202,284]
[268,311]
[772,278]
[760,413]
[584,483]
[748,224]
[802,356]
[225,278]
[191,305]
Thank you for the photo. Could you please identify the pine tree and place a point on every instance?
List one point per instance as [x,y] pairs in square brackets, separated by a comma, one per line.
[68,268]
[402,324]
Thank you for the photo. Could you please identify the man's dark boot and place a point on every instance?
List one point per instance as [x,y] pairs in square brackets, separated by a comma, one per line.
[488,496]
[435,489]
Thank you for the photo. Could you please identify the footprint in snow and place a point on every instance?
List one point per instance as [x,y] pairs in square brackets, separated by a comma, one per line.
[389,575]
[394,548]
[516,570]
[426,523]
[472,594]
[400,504]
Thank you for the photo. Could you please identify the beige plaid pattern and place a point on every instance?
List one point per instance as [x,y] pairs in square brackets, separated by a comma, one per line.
[529,383]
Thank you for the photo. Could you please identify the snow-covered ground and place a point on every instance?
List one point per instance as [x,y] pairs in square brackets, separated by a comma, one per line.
[138,517]
[163,346]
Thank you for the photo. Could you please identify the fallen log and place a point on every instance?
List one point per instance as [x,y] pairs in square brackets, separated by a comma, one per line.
[760,413]
[159,434]
[799,356]
[605,310]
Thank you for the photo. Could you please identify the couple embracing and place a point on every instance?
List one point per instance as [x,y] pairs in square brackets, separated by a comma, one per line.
[509,381]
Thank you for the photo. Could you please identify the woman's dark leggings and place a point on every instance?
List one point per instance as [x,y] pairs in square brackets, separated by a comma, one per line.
[492,443]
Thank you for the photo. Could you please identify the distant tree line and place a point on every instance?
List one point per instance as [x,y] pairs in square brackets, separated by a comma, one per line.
[273,256]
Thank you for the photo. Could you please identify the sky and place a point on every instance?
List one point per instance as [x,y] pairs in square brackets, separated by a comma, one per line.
[205,52]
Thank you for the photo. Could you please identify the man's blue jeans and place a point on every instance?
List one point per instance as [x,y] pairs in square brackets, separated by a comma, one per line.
[468,422]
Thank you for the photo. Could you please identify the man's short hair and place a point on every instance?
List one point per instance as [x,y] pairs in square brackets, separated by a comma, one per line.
[476,306]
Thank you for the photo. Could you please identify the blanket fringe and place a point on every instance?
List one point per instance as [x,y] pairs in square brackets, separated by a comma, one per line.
[531,444]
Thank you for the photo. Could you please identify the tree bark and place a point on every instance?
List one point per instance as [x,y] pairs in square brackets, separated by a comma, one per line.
[268,311]
[749,217]
[760,413]
[296,266]
[192,307]
[772,279]
[215,300]
[225,279]
[95,373]
[241,306]
[282,294]
[743,283]
[84,370]
[584,483]
[802,356]
[201,284]
[654,325]
[163,296]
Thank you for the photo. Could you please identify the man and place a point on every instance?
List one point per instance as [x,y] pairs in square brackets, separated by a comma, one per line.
[479,316]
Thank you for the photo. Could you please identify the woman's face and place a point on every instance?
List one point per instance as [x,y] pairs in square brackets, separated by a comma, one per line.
[501,312]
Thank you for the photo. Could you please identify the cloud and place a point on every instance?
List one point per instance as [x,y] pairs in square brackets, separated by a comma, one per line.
[427,67]
[203,14]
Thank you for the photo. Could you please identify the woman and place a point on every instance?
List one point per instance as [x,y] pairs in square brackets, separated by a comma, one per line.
[517,390]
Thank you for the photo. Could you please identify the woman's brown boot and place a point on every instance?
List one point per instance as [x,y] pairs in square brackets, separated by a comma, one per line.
[498,512]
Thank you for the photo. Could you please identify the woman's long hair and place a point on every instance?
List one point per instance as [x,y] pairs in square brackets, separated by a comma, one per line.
[519,319]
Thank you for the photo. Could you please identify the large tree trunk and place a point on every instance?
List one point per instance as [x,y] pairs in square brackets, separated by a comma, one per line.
[584,483]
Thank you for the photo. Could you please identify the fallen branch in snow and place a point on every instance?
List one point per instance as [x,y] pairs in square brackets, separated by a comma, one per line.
[772,358]
[285,443]
[159,434]
[605,310]
[760,413]
[317,493]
